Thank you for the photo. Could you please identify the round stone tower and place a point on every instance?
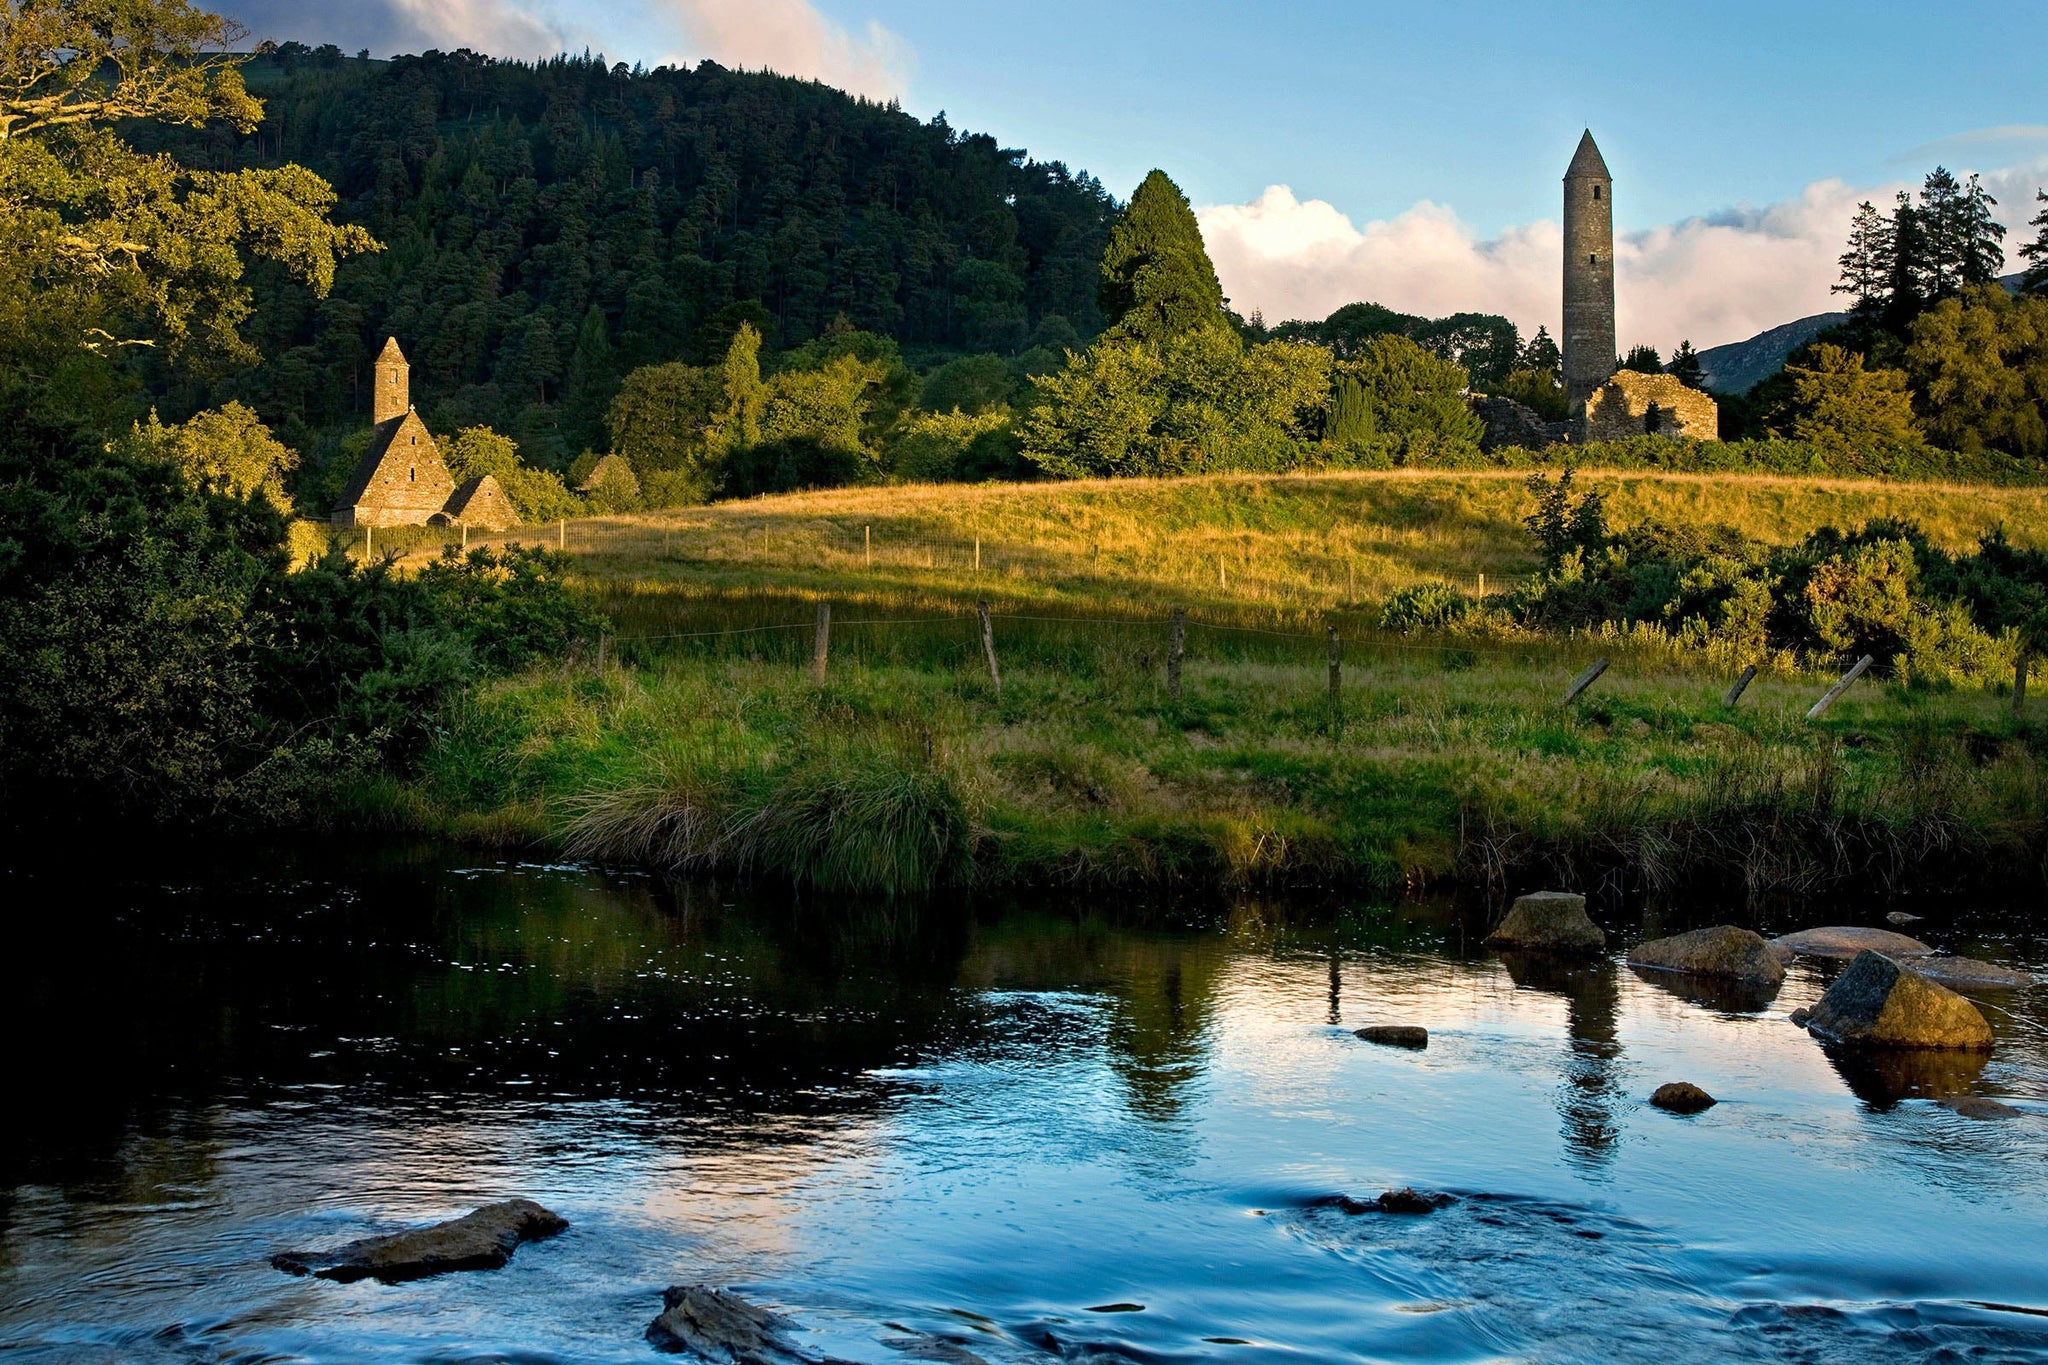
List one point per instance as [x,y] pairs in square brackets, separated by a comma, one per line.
[392,395]
[1588,272]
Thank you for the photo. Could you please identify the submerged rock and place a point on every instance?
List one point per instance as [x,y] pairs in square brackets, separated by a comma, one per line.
[1967,973]
[1395,1035]
[721,1327]
[1549,921]
[483,1240]
[1408,1201]
[1983,1107]
[925,1346]
[1901,918]
[1723,951]
[1682,1097]
[1843,942]
[1877,1002]
[1800,1016]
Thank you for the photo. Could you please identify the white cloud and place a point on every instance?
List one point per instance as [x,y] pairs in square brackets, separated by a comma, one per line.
[792,37]
[1711,280]
[789,36]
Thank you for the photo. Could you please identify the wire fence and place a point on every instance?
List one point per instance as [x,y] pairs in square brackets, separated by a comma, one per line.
[1254,568]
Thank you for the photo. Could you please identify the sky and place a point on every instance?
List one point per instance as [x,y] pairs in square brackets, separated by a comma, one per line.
[1410,154]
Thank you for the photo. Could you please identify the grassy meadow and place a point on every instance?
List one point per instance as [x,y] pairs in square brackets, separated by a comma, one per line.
[699,740]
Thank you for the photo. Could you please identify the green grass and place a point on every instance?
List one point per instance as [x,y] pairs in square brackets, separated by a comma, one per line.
[906,770]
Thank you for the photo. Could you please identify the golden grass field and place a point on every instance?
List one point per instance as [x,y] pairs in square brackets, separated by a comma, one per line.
[1292,546]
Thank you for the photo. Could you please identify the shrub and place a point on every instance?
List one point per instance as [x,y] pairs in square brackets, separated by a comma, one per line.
[1426,606]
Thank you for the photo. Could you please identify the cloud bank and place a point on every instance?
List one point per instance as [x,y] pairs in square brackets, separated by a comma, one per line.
[1710,280]
[789,36]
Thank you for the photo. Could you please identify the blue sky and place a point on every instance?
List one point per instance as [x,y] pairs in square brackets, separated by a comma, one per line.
[1403,133]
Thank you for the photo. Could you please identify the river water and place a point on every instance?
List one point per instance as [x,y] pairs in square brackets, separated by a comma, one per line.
[985,1123]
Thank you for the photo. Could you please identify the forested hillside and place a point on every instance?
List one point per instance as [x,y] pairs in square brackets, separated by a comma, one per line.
[549,228]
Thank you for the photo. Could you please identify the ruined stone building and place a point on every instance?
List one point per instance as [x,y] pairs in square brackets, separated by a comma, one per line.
[401,480]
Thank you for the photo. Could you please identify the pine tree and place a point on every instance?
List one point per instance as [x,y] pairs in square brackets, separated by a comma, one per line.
[1685,366]
[2035,253]
[592,381]
[1643,359]
[1961,235]
[1867,264]
[1906,292]
[736,425]
[1351,421]
[1157,279]
[1542,355]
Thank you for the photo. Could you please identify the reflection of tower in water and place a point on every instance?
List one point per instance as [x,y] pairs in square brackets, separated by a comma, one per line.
[1586,1099]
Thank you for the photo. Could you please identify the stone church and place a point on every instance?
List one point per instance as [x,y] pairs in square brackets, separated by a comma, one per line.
[1607,403]
[401,480]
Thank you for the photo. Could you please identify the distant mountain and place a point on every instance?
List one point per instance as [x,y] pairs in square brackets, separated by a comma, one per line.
[1741,365]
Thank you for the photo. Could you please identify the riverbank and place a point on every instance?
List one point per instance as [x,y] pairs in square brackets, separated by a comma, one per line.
[906,769]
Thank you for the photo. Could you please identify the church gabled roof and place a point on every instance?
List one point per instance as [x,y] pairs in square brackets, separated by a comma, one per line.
[1587,163]
[416,450]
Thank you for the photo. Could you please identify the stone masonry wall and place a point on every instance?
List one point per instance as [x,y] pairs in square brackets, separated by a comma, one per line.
[1620,409]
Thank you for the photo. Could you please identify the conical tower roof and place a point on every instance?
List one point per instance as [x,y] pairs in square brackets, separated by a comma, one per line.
[1587,163]
[391,351]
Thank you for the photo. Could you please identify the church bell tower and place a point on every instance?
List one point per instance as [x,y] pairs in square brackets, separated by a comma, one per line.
[393,396]
[1588,272]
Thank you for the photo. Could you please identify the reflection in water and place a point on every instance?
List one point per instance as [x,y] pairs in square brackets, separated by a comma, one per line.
[1709,992]
[944,1118]
[1587,1096]
[1882,1078]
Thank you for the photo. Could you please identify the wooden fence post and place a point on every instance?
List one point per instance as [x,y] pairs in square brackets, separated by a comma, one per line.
[465,535]
[821,643]
[1585,680]
[1741,685]
[2019,683]
[867,544]
[1350,579]
[562,534]
[1336,670]
[1175,650]
[369,535]
[977,553]
[988,645]
[1820,707]
[1222,578]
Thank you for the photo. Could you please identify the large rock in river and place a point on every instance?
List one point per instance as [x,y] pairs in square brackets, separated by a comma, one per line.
[483,1240]
[1842,942]
[1877,1002]
[1549,921]
[1726,951]
[721,1327]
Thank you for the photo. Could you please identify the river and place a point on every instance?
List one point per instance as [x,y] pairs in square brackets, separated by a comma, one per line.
[985,1122]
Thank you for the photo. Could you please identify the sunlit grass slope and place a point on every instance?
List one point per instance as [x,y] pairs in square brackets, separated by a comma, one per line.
[1295,546]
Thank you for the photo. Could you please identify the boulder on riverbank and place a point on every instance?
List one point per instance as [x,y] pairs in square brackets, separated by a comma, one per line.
[483,1240]
[1724,951]
[1395,1035]
[1841,942]
[721,1327]
[1682,1097]
[1877,1002]
[1551,922]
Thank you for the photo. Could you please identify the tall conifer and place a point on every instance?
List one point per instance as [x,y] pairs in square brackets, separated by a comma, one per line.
[2035,253]
[1157,279]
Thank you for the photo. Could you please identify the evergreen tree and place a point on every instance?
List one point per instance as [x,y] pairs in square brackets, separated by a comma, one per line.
[1351,420]
[1542,355]
[736,425]
[1157,280]
[1962,238]
[1867,264]
[1905,295]
[1685,365]
[2035,253]
[592,380]
[1643,359]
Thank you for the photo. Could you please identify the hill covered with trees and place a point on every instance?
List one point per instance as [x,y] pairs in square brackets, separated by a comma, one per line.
[548,228]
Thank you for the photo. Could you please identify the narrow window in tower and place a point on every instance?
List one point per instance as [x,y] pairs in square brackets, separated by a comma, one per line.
[412,475]
[1592,260]
[1596,191]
